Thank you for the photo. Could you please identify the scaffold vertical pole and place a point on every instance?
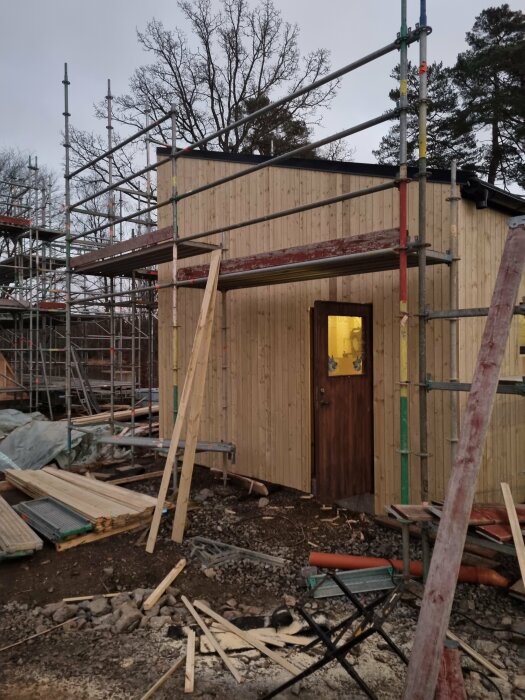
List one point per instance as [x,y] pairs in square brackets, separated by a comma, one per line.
[454,304]
[404,442]
[175,329]
[67,226]
[422,251]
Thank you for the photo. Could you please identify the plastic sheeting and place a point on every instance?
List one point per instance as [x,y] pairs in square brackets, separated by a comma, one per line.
[10,419]
[39,442]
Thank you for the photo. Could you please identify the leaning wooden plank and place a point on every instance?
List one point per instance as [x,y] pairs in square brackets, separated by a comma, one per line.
[209,636]
[166,581]
[15,533]
[515,527]
[476,656]
[440,586]
[163,678]
[192,430]
[96,536]
[189,677]
[183,405]
[247,637]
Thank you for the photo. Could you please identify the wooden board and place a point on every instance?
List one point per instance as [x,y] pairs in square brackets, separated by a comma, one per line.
[249,638]
[211,639]
[184,400]
[517,535]
[163,585]
[189,676]
[196,403]
[15,533]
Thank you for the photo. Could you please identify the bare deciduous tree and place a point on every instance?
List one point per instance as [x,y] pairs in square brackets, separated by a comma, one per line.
[238,56]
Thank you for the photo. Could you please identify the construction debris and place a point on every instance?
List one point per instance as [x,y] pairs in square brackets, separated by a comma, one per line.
[214,553]
[467,574]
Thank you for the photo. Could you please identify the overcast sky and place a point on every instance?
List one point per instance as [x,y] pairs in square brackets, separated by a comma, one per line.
[98,40]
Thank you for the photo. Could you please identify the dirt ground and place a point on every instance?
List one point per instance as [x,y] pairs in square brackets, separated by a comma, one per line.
[96,662]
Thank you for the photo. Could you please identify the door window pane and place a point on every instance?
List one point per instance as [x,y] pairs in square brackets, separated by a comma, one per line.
[345,346]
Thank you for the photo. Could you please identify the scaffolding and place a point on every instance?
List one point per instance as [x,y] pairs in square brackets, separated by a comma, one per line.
[87,294]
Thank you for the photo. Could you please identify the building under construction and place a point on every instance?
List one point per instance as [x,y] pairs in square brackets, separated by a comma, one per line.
[351,305]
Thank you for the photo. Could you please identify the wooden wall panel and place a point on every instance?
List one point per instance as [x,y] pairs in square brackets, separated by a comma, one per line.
[268,328]
[6,379]
[482,237]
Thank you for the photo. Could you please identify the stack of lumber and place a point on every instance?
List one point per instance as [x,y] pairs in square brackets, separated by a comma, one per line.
[105,505]
[117,415]
[16,537]
[490,520]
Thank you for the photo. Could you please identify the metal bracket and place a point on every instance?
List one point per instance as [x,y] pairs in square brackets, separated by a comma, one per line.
[517,221]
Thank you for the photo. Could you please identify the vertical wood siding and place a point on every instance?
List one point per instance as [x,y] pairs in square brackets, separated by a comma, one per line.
[268,412]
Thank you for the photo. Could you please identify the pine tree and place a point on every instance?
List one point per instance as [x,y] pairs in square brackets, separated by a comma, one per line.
[490,77]
[445,140]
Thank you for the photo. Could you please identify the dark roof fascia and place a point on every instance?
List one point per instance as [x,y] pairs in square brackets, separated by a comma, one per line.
[472,188]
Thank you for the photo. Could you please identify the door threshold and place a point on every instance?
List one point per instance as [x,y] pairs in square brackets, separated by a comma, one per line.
[362,503]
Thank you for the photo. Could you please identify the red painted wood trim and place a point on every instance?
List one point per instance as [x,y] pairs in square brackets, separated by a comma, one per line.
[15,221]
[378,240]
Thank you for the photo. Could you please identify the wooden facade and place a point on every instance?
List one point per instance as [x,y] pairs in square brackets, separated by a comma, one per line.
[259,386]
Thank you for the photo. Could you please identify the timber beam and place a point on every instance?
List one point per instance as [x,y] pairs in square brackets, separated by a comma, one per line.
[368,252]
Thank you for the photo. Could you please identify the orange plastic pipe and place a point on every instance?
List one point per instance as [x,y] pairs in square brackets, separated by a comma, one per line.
[467,574]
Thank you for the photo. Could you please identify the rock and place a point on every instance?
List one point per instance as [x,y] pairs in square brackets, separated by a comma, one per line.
[230,614]
[108,571]
[165,610]
[50,609]
[155,623]
[210,573]
[171,600]
[138,596]
[263,502]
[64,612]
[129,619]
[289,600]
[107,619]
[70,626]
[203,495]
[231,603]
[40,628]
[152,612]
[99,606]
[519,682]
[486,647]
[119,600]
[506,621]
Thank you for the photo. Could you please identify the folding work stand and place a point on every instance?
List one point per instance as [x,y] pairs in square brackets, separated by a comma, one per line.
[367,620]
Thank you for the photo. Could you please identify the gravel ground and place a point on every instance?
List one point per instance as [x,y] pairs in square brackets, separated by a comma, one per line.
[111,649]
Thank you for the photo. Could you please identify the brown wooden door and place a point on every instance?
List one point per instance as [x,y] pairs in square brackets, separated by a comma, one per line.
[342,400]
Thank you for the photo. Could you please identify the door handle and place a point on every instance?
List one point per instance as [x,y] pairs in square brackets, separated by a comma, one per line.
[323,402]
